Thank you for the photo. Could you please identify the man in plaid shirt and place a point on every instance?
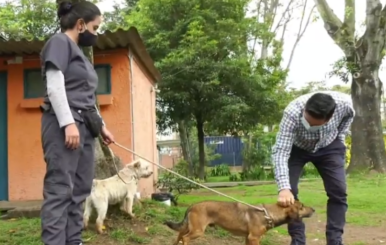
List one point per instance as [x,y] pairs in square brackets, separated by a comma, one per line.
[313,129]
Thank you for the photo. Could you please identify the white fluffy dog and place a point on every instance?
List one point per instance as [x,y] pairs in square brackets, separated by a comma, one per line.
[113,190]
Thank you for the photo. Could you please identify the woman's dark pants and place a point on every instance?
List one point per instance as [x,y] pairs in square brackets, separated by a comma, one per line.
[329,162]
[67,182]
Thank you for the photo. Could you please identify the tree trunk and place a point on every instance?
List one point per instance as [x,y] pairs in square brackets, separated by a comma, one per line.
[363,58]
[246,163]
[184,141]
[201,149]
[384,106]
[368,149]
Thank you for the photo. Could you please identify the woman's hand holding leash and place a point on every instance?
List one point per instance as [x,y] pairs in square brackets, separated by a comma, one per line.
[107,136]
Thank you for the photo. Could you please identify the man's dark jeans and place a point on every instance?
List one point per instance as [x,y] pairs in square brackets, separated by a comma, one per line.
[329,162]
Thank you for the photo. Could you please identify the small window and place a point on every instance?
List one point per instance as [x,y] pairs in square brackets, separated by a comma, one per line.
[104,79]
[34,86]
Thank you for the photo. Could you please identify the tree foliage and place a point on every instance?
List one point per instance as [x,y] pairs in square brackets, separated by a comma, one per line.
[116,18]
[315,86]
[28,19]
[208,74]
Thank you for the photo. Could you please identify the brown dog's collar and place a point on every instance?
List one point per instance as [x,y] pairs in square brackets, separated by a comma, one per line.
[268,218]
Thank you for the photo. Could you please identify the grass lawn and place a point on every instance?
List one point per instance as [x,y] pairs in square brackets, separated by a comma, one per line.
[365,219]
[212,179]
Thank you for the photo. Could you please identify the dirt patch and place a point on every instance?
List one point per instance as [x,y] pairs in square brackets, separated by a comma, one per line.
[134,232]
[124,231]
[146,231]
[354,235]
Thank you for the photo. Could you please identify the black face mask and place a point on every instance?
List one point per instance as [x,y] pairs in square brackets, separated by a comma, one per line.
[87,39]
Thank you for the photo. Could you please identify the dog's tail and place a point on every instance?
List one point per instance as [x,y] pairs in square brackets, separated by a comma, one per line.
[174,226]
[179,225]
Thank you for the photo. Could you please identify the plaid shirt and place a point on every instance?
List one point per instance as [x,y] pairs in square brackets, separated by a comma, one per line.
[292,132]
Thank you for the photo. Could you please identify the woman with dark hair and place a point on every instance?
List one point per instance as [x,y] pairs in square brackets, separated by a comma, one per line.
[70,123]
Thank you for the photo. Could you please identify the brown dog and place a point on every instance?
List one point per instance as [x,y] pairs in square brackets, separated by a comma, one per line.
[239,219]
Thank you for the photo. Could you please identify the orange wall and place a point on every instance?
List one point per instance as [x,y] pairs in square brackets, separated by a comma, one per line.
[144,126]
[26,166]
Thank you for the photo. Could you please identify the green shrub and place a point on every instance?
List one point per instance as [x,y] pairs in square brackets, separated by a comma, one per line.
[220,170]
[309,171]
[175,184]
[234,177]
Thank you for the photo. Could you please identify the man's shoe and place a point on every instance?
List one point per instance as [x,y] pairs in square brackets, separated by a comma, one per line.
[295,242]
[336,243]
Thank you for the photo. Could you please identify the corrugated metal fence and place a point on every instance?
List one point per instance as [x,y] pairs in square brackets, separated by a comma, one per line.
[230,148]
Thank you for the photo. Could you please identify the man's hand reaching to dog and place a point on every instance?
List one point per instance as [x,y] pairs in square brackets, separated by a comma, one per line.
[285,198]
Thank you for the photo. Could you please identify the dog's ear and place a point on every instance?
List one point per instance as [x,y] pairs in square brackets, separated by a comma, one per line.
[293,211]
[137,164]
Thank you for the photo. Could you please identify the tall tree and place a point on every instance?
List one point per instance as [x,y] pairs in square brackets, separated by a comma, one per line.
[363,57]
[201,49]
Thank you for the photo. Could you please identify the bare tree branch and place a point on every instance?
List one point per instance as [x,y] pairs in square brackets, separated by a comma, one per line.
[284,29]
[277,14]
[266,18]
[349,17]
[272,11]
[283,16]
[373,10]
[383,22]
[340,32]
[374,33]
[302,29]
[257,19]
[328,16]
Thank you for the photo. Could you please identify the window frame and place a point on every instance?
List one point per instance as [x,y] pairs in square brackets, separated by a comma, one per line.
[26,88]
[108,72]
[25,83]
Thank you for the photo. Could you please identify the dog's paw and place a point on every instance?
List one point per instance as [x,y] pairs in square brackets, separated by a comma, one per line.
[85,225]
[132,215]
[101,229]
